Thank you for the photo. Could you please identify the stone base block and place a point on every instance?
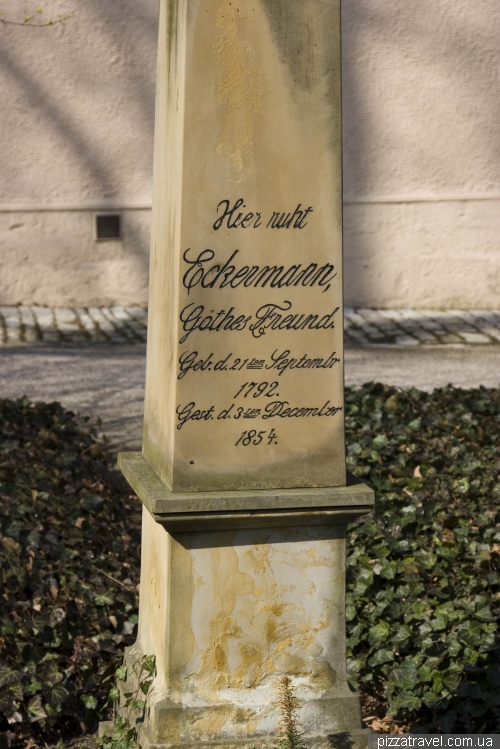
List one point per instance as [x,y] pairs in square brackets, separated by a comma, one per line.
[345,740]
[236,593]
[342,740]
[169,726]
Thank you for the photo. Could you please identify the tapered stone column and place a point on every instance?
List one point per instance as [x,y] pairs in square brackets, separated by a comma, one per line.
[242,473]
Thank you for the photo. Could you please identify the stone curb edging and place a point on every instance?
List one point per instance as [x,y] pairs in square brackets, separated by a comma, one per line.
[59,325]
[409,327]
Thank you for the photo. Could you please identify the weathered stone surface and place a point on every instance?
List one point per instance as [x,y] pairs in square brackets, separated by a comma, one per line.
[226,613]
[244,382]
[342,740]
[241,599]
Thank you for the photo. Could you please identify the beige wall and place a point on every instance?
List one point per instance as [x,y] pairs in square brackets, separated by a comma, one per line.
[422,148]
[421,134]
[76,129]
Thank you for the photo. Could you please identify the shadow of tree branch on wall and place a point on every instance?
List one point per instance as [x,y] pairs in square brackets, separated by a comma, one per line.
[79,117]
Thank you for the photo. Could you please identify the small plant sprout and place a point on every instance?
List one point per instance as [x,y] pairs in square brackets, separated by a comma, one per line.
[289,734]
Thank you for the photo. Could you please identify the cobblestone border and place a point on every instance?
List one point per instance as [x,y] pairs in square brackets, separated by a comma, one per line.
[409,327]
[21,325]
[363,327]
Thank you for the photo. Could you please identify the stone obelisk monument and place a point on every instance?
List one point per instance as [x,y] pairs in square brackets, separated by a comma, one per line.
[242,473]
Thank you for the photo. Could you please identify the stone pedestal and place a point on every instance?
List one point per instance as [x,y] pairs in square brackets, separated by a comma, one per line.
[237,589]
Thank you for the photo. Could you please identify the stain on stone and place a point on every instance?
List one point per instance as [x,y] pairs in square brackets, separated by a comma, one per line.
[249,672]
[307,37]
[283,645]
[210,724]
[322,674]
[277,608]
[292,664]
[238,88]
[182,636]
[242,716]
[271,627]
[227,577]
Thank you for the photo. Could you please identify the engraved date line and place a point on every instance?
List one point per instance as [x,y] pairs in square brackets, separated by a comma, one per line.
[253,437]
[259,388]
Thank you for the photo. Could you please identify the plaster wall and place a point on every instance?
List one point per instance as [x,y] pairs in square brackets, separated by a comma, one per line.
[421,152]
[77,136]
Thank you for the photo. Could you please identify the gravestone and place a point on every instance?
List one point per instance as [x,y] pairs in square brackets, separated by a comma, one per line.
[242,473]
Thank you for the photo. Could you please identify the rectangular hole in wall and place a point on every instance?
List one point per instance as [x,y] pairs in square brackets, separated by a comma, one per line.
[107,226]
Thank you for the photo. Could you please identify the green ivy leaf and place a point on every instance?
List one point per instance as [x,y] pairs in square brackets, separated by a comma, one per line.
[33,688]
[149,663]
[378,633]
[89,701]
[121,673]
[484,614]
[401,634]
[425,673]
[431,699]
[55,695]
[381,657]
[7,675]
[439,622]
[403,677]
[404,701]
[104,599]
[145,686]
[35,709]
